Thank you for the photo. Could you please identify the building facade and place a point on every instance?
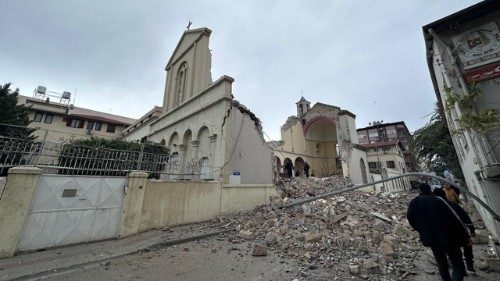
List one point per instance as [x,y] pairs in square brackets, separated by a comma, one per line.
[140,128]
[386,160]
[58,121]
[325,137]
[209,135]
[463,55]
[390,132]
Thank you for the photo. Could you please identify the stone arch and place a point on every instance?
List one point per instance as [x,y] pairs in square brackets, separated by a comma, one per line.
[187,137]
[320,134]
[363,170]
[311,121]
[277,161]
[285,162]
[203,137]
[277,166]
[202,130]
[299,166]
[173,141]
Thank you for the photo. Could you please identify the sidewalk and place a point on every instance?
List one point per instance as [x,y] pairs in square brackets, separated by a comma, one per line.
[33,264]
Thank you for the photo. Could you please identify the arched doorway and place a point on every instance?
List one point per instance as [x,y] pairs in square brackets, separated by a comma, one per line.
[363,170]
[299,167]
[287,163]
[321,143]
[174,163]
[277,167]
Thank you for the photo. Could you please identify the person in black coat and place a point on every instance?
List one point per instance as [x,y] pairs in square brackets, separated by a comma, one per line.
[441,230]
[464,217]
[288,169]
[306,169]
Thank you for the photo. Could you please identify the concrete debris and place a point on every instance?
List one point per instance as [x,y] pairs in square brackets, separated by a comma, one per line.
[356,233]
[380,216]
[303,187]
[259,250]
[493,263]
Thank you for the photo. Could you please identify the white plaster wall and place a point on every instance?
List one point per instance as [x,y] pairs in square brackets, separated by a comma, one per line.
[469,152]
[138,134]
[207,109]
[251,157]
[355,171]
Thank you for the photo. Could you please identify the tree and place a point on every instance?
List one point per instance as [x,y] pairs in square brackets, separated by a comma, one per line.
[433,145]
[13,114]
[112,157]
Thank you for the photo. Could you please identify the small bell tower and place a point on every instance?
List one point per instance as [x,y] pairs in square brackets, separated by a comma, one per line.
[303,106]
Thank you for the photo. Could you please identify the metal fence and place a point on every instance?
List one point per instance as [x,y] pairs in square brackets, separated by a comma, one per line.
[67,158]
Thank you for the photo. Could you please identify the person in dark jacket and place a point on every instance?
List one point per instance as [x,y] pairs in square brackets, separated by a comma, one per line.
[306,169]
[440,229]
[464,217]
[288,169]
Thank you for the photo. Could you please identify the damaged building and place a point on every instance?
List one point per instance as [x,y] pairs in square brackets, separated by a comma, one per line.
[209,135]
[325,137]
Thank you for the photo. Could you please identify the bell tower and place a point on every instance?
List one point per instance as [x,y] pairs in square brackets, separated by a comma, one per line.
[303,106]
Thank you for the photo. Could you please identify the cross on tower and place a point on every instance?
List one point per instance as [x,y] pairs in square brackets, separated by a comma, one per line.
[189,25]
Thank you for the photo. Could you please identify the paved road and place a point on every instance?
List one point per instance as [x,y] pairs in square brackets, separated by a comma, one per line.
[218,259]
[208,259]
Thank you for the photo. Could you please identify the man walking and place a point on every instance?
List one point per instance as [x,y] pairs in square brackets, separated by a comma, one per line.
[306,169]
[464,217]
[288,169]
[441,230]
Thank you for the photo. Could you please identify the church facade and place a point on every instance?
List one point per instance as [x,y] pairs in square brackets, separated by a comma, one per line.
[325,137]
[209,135]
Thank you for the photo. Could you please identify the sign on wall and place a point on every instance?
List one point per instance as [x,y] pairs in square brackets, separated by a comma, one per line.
[478,46]
[483,73]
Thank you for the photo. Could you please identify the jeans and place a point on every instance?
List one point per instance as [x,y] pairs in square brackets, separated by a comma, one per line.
[455,255]
[469,257]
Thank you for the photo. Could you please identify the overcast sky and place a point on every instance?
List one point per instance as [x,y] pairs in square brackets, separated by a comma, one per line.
[364,56]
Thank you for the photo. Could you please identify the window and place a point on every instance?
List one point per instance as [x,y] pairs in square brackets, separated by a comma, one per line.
[74,123]
[48,118]
[98,126]
[391,164]
[111,128]
[372,165]
[90,125]
[180,88]
[391,131]
[373,135]
[38,117]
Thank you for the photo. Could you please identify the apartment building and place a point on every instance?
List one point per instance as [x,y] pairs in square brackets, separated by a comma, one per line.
[463,56]
[379,132]
[56,120]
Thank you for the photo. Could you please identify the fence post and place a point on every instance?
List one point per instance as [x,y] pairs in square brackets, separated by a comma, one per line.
[15,203]
[132,203]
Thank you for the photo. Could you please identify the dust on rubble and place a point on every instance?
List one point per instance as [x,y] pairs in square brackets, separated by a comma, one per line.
[355,234]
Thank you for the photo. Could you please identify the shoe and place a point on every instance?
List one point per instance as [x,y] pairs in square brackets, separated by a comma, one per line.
[470,267]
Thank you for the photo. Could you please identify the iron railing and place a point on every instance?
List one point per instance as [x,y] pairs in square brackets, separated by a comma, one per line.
[67,158]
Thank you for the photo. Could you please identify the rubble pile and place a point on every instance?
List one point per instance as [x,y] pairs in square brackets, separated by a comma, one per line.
[303,187]
[353,235]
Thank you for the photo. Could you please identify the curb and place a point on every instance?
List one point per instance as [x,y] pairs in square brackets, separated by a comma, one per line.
[152,247]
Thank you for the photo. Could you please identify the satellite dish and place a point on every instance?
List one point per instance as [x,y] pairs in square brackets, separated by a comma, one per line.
[66,95]
[41,90]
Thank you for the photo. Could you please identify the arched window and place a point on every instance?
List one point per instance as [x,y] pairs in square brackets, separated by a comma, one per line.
[180,88]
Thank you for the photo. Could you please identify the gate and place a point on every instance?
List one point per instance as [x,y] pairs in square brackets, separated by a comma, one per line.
[73,209]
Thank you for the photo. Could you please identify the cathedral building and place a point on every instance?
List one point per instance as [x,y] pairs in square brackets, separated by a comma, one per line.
[209,134]
[325,137]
